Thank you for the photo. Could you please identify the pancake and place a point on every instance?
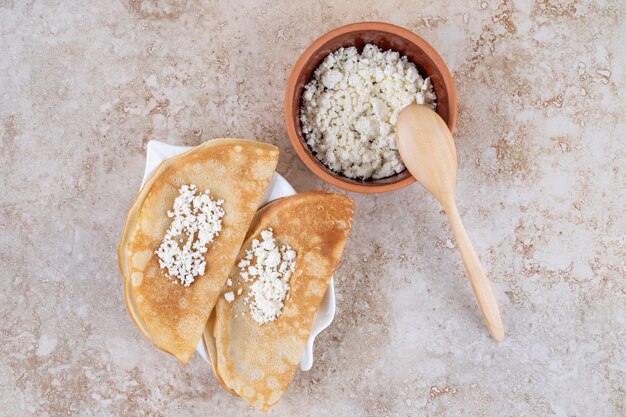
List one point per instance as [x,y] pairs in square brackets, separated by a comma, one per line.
[258,361]
[172,316]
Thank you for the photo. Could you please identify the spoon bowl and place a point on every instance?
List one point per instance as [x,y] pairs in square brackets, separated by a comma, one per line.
[426,141]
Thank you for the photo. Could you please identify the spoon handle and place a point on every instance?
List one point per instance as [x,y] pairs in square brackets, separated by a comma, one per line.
[477,278]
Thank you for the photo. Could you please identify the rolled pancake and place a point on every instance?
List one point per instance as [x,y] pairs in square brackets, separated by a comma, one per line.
[173,316]
[257,362]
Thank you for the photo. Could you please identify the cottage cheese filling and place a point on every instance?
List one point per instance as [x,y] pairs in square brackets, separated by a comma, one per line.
[269,268]
[350,106]
[197,220]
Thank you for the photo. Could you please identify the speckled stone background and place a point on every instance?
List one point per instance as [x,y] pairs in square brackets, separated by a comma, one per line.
[84,85]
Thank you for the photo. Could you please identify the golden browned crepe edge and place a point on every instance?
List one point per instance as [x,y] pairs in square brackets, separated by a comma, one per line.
[133,216]
[209,344]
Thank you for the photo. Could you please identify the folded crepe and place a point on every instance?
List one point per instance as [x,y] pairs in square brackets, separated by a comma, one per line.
[257,361]
[172,316]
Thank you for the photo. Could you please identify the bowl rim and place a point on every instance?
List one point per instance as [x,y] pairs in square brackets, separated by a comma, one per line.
[291,121]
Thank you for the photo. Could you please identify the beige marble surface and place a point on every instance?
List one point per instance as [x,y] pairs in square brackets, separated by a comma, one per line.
[84,85]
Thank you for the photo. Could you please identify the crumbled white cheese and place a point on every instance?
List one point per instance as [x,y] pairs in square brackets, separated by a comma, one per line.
[229,282]
[350,107]
[269,268]
[229,296]
[197,220]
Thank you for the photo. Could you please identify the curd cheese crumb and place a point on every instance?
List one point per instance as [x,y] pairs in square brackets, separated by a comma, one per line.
[229,296]
[197,220]
[269,269]
[350,107]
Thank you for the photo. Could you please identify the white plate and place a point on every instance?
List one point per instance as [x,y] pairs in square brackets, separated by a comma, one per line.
[157,152]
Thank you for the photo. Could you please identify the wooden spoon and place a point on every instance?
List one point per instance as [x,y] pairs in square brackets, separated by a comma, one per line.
[427,149]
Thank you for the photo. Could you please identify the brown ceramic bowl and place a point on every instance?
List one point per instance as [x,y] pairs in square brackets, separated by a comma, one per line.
[385,36]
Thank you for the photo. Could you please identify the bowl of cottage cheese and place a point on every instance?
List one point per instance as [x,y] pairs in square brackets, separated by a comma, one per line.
[343,97]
